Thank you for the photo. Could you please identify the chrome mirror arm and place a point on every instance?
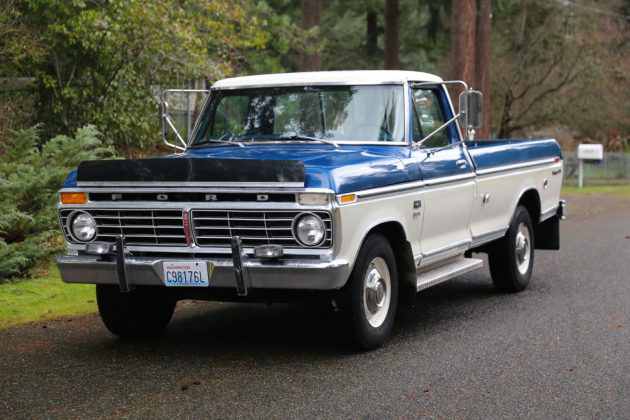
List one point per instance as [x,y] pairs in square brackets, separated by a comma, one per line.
[179,137]
[418,144]
[166,120]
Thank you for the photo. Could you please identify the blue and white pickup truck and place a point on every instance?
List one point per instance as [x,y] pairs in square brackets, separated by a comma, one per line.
[354,188]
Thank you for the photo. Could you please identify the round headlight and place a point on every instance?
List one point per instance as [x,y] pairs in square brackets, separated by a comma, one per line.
[83,227]
[310,230]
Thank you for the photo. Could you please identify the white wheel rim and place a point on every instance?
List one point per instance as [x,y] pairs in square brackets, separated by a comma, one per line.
[522,248]
[377,292]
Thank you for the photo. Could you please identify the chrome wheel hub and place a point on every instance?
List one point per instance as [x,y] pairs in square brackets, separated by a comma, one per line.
[522,248]
[376,292]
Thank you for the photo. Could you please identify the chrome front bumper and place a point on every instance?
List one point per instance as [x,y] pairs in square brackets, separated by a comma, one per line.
[283,273]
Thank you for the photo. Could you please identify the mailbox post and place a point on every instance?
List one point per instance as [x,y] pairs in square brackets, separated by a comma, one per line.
[588,152]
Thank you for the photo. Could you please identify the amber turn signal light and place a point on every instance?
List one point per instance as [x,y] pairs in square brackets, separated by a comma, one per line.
[73,198]
[348,198]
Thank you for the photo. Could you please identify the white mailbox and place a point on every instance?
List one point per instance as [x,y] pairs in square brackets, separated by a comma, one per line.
[590,152]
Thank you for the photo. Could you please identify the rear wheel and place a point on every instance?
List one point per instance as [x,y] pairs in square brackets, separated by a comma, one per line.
[141,313]
[512,258]
[367,305]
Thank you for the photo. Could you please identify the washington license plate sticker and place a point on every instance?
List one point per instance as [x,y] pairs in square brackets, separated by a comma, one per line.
[186,273]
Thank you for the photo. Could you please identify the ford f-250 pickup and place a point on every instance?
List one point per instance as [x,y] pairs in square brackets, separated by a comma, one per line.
[357,188]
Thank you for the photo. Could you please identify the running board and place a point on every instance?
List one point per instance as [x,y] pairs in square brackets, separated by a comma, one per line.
[447,272]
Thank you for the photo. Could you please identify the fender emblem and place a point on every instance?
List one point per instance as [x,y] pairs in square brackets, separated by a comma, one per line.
[417,204]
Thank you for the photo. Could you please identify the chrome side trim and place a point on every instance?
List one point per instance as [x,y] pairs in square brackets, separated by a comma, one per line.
[488,236]
[407,186]
[441,253]
[444,249]
[188,184]
[503,168]
[449,179]
[547,214]
[391,189]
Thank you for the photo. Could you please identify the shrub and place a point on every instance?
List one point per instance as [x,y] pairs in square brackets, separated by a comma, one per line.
[32,171]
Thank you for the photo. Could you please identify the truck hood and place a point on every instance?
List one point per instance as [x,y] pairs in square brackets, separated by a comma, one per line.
[344,169]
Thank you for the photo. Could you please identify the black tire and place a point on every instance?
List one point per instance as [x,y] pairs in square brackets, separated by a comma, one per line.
[141,313]
[356,331]
[503,260]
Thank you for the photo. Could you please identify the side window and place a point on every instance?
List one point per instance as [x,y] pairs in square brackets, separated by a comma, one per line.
[428,117]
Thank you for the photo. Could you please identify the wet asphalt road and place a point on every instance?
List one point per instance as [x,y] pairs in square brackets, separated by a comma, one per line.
[561,349]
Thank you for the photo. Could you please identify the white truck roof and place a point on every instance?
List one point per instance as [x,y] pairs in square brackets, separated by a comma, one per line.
[358,77]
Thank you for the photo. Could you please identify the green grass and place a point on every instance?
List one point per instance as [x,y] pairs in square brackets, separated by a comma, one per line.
[46,297]
[620,190]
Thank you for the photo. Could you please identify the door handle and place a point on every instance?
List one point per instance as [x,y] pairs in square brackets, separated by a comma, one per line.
[462,163]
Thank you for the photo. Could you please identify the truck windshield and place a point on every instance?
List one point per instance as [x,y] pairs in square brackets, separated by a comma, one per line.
[330,113]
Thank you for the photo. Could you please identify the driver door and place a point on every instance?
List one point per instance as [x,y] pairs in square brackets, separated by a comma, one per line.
[448,174]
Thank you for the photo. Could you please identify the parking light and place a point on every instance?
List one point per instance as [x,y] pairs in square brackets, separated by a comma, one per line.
[74,198]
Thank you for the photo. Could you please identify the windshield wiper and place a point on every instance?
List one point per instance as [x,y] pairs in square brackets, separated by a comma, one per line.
[308,138]
[220,140]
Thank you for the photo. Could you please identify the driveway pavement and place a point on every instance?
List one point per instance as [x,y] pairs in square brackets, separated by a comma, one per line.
[561,349]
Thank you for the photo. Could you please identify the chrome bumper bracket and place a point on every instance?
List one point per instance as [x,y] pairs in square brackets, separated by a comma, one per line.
[121,266]
[562,210]
[239,270]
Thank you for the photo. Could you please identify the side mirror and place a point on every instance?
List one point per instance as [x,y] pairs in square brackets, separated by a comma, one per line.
[471,109]
[182,115]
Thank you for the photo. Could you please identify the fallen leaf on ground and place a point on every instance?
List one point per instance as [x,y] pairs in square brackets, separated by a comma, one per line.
[184,387]
[196,382]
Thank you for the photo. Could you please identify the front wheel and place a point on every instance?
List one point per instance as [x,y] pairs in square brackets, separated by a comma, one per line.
[141,313]
[512,258]
[367,305]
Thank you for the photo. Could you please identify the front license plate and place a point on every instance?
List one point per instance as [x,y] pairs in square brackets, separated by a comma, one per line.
[186,273]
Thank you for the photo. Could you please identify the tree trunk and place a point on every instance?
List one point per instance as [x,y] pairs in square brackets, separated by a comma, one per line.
[463,25]
[391,35]
[482,63]
[311,16]
[372,33]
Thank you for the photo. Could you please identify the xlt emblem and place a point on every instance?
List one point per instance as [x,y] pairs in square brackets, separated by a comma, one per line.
[116,197]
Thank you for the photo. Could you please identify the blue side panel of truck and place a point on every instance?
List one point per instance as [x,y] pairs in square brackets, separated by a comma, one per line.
[490,153]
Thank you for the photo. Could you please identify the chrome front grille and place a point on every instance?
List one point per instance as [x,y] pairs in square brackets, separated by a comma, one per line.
[139,226]
[215,228]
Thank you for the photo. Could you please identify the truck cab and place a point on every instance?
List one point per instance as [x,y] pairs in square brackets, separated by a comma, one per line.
[357,189]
